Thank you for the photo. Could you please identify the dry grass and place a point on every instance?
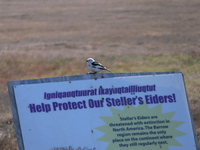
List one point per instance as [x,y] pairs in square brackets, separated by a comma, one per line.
[37,41]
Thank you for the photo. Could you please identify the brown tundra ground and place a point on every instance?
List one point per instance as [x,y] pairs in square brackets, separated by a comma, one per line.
[48,38]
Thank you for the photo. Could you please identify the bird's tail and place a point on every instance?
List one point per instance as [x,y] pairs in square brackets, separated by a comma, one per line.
[109,70]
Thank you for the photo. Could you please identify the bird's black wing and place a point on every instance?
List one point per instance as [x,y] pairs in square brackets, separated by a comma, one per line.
[98,65]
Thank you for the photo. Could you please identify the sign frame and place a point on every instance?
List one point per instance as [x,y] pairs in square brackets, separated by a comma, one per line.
[13,84]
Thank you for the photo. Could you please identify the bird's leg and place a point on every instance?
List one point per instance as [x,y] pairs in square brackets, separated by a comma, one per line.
[91,72]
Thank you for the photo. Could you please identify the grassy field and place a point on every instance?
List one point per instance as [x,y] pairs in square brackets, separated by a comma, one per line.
[40,39]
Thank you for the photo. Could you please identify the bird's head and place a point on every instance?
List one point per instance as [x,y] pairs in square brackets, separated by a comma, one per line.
[90,60]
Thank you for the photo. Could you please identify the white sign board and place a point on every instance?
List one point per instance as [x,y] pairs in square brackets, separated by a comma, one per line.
[142,112]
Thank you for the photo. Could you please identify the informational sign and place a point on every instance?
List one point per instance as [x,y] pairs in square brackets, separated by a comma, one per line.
[147,111]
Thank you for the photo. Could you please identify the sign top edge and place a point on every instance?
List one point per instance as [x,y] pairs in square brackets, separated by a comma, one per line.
[87,77]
